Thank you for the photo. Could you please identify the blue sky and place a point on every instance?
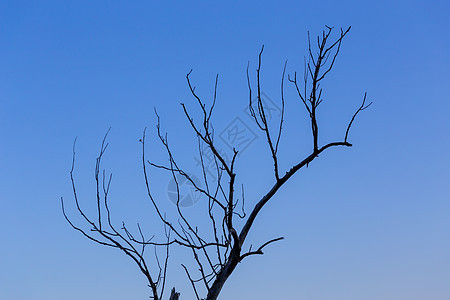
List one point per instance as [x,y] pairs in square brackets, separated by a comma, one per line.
[369,222]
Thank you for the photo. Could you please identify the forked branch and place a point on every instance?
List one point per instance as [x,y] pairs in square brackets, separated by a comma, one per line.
[216,249]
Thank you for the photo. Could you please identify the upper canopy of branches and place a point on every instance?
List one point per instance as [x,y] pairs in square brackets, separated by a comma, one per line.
[218,256]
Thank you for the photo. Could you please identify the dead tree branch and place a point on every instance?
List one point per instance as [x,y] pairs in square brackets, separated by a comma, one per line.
[216,250]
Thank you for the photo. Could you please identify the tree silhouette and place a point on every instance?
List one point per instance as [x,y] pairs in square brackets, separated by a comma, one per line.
[218,253]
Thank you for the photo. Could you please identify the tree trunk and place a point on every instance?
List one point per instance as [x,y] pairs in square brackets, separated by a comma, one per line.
[222,277]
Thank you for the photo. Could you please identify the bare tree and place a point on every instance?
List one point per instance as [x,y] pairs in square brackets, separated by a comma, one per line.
[219,249]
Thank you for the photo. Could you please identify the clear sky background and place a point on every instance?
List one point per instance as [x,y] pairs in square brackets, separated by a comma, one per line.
[370,222]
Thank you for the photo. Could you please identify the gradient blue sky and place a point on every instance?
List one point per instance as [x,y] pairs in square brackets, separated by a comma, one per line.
[371,222]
